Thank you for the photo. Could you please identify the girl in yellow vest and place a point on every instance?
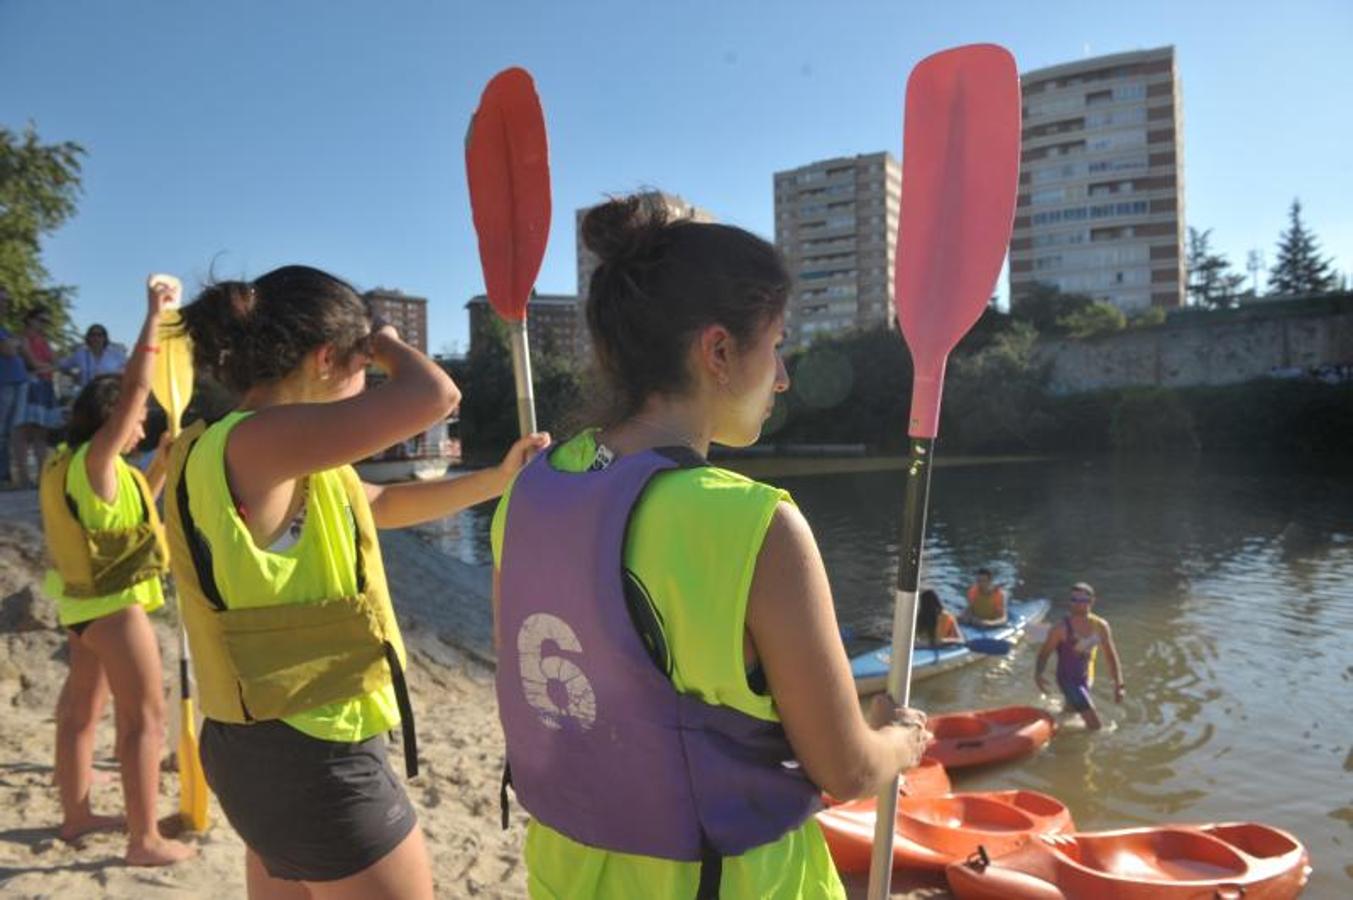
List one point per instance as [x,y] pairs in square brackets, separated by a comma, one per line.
[297,654]
[105,540]
[686,321]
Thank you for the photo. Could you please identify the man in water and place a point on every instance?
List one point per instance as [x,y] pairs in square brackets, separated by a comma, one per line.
[986,602]
[1077,639]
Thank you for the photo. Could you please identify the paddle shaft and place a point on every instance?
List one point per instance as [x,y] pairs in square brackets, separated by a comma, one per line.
[904,632]
[521,374]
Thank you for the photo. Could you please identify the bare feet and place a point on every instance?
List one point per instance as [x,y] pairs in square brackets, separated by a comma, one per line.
[159,851]
[74,829]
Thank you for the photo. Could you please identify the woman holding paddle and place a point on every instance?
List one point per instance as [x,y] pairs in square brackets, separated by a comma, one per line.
[298,657]
[107,546]
[672,685]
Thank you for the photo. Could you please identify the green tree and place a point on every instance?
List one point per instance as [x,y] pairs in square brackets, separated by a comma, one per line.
[1045,306]
[1100,317]
[993,396]
[39,186]
[1300,268]
[1211,281]
[488,412]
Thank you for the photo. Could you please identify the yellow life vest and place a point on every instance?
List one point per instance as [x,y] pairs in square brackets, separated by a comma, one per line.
[97,562]
[261,663]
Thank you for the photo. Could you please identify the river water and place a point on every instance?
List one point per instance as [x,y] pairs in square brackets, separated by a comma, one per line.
[1229,587]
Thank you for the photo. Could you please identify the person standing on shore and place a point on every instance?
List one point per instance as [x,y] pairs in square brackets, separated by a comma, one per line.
[13,383]
[95,357]
[666,637]
[39,412]
[1076,640]
[105,540]
[298,656]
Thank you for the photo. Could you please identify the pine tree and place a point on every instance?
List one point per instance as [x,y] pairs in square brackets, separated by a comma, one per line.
[1300,268]
[1211,281]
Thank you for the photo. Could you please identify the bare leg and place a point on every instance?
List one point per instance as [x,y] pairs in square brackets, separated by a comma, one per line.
[402,874]
[262,886]
[1091,717]
[78,710]
[125,644]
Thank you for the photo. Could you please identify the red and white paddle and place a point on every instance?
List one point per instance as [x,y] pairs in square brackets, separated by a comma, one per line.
[960,172]
[507,162]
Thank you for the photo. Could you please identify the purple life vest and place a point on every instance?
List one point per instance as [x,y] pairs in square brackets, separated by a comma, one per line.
[600,745]
[1073,665]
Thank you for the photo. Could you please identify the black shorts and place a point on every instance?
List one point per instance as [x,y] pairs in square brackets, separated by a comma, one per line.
[312,810]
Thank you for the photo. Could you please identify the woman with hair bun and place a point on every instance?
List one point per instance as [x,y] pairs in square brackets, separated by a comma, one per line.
[106,544]
[297,653]
[671,681]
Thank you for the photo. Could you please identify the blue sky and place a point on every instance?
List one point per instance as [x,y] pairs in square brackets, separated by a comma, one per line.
[236,136]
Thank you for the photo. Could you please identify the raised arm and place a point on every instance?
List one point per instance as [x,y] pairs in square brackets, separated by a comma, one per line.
[125,420]
[320,436]
[402,505]
[793,628]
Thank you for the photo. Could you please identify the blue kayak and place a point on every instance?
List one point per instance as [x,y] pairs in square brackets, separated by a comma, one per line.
[871,669]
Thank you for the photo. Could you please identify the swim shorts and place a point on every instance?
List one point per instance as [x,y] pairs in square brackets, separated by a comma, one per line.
[312,810]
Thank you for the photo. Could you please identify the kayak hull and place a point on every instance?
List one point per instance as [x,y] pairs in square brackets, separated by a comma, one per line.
[988,736]
[1169,862]
[871,669]
[932,832]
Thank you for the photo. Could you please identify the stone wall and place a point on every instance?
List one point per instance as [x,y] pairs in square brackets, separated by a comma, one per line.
[1196,347]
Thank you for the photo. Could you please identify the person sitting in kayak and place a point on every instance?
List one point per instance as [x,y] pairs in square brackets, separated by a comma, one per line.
[1077,639]
[986,602]
[935,625]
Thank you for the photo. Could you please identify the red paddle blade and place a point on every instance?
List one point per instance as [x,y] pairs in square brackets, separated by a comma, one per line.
[960,171]
[507,162]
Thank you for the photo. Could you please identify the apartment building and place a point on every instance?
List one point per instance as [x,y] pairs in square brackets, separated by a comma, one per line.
[407,313]
[552,322]
[1101,196]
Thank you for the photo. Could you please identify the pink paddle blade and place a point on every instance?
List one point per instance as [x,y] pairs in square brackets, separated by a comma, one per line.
[960,172]
[507,162]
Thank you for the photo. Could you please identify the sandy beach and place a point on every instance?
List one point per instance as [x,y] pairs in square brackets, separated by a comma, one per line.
[460,743]
[460,746]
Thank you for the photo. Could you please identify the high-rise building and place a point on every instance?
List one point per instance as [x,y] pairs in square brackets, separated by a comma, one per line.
[676,207]
[836,224]
[551,322]
[407,313]
[1101,196]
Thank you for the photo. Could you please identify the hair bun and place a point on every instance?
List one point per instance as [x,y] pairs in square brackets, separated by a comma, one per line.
[623,227]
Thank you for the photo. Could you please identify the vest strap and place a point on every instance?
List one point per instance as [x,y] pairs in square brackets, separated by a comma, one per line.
[503,803]
[197,547]
[407,728]
[711,872]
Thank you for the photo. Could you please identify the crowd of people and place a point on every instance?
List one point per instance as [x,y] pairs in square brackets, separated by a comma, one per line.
[665,631]
[666,634]
[32,411]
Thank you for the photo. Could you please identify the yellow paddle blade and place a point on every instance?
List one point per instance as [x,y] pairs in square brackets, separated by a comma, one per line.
[171,380]
[192,780]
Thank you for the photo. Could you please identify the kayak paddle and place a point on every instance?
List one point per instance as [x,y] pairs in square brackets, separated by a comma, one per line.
[989,646]
[171,382]
[960,171]
[507,163]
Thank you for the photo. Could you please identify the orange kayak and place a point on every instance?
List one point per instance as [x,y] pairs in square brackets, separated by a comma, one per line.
[932,832]
[988,735]
[1167,862]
